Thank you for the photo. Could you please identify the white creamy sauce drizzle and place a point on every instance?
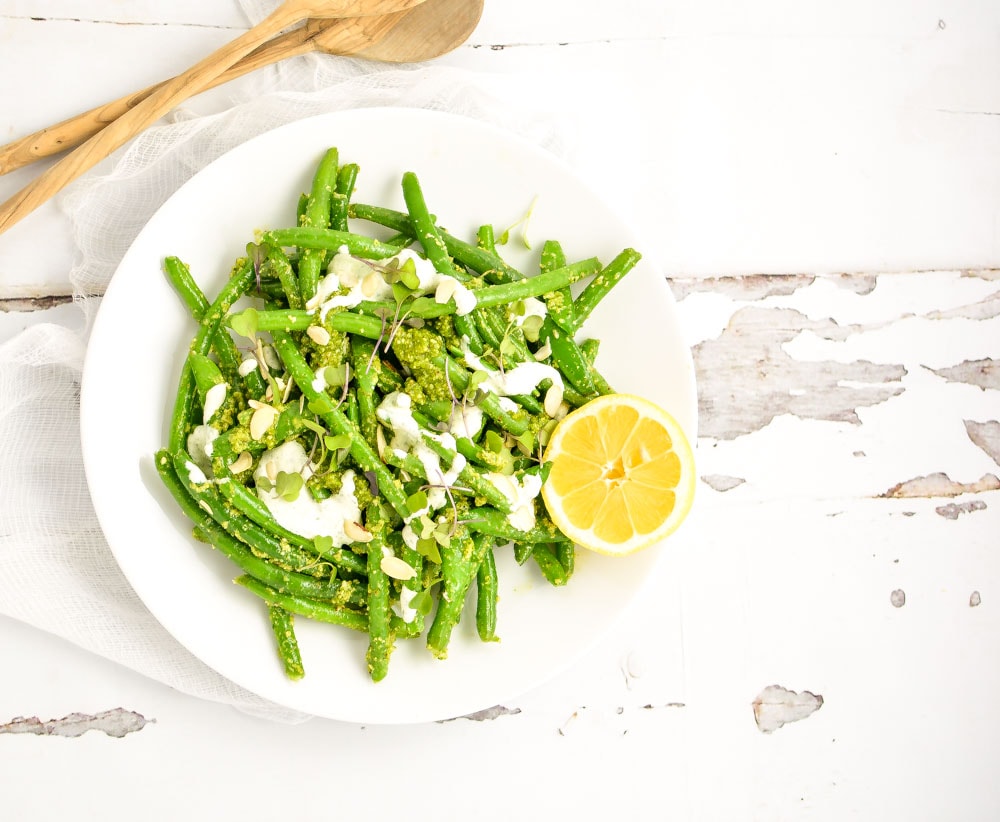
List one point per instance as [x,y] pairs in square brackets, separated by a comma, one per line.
[396,411]
[304,515]
[346,272]
[533,307]
[402,608]
[199,446]
[214,397]
[195,474]
[523,378]
[521,494]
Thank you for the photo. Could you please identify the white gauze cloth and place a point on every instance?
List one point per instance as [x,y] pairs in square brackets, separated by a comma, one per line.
[56,570]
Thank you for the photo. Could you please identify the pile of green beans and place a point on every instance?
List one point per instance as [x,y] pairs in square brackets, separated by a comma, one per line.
[270,364]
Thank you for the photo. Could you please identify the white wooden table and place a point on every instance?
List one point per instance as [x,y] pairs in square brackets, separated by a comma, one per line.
[824,185]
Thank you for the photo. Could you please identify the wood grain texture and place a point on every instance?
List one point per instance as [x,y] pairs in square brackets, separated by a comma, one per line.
[174,91]
[426,31]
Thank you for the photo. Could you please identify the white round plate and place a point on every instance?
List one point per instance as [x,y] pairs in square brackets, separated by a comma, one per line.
[471,174]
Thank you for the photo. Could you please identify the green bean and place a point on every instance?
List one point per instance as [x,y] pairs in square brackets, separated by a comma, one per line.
[486,597]
[180,421]
[469,477]
[460,560]
[290,319]
[598,288]
[330,239]
[493,522]
[491,295]
[180,278]
[365,368]
[567,357]
[338,423]
[426,231]
[283,626]
[483,262]
[278,264]
[379,638]
[550,567]
[251,507]
[559,303]
[308,607]
[566,555]
[259,541]
[317,215]
[206,528]
[486,240]
[346,178]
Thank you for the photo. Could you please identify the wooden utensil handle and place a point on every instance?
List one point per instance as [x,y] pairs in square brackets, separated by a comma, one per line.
[145,113]
[75,130]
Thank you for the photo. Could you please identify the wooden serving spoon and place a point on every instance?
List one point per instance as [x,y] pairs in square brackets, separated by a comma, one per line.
[414,35]
[174,91]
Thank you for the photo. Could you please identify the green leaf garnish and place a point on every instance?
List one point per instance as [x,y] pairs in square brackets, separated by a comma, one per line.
[400,292]
[408,275]
[264,484]
[335,375]
[321,405]
[315,427]
[245,323]
[288,484]
[425,527]
[442,535]
[494,441]
[422,602]
[525,443]
[337,442]
[544,471]
[429,548]
[323,543]
[416,501]
[531,327]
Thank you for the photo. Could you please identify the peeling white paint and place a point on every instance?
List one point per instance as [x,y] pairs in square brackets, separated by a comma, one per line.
[776,706]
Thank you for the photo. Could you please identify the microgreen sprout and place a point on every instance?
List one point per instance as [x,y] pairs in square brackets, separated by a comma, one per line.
[288,484]
[257,253]
[245,322]
[504,237]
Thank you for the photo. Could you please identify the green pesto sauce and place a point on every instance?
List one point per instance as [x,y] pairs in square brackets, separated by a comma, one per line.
[445,327]
[416,348]
[334,353]
[555,301]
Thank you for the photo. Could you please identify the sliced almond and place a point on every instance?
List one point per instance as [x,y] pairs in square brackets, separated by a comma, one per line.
[356,532]
[271,469]
[553,399]
[270,356]
[371,283]
[256,404]
[318,334]
[241,463]
[544,352]
[262,419]
[247,366]
[394,567]
[445,289]
[380,443]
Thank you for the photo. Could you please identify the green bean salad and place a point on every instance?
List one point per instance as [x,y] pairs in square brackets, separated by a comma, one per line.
[360,422]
